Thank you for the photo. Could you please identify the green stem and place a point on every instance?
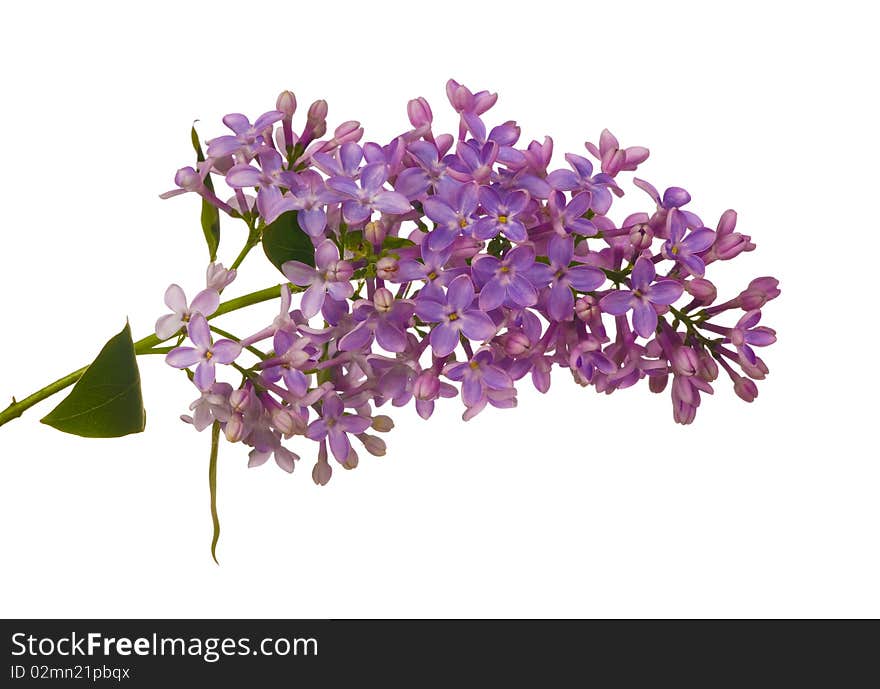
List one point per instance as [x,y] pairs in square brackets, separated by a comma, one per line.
[252,240]
[143,346]
[212,483]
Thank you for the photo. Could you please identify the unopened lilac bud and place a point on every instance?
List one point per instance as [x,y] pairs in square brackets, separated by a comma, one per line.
[286,423]
[386,268]
[587,307]
[348,131]
[217,277]
[317,112]
[239,399]
[727,222]
[756,371]
[641,236]
[427,386]
[187,178]
[684,361]
[702,290]
[234,428]
[657,383]
[373,444]
[382,423]
[383,300]
[286,103]
[745,388]
[352,460]
[707,369]
[375,233]
[339,271]
[515,343]
[732,245]
[321,473]
[419,112]
[758,293]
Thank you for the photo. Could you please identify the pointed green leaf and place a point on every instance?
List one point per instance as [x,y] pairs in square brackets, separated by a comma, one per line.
[396,242]
[210,214]
[284,240]
[106,401]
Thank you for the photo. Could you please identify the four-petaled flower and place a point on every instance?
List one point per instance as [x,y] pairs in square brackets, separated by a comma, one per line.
[502,212]
[335,425]
[642,297]
[370,196]
[205,353]
[505,280]
[205,303]
[562,277]
[454,315]
[330,275]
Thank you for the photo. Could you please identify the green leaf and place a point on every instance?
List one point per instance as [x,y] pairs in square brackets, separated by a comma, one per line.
[210,215]
[397,242]
[284,240]
[106,401]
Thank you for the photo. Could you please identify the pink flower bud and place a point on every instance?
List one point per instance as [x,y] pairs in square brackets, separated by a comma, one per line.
[373,444]
[321,473]
[382,423]
[217,277]
[317,112]
[759,292]
[703,291]
[727,222]
[387,267]
[286,103]
[352,460]
[515,343]
[641,236]
[286,423]
[419,112]
[658,383]
[707,369]
[383,300]
[745,388]
[427,386]
[348,131]
[234,428]
[340,271]
[732,245]
[240,399]
[586,307]
[375,233]
[756,371]
[684,361]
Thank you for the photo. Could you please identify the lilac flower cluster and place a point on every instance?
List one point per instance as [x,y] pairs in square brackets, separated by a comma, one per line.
[453,263]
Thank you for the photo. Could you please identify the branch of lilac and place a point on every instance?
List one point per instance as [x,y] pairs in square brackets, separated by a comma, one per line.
[445,264]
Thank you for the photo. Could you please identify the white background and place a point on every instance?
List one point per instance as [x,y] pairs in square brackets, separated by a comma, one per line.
[573,504]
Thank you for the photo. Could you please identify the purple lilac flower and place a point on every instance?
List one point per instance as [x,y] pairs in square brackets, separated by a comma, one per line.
[335,425]
[472,163]
[568,217]
[205,303]
[205,353]
[452,218]
[370,196]
[384,317]
[684,249]
[581,177]
[248,138]
[428,172]
[454,315]
[502,214]
[212,405]
[614,159]
[309,197]
[642,297]
[505,280]
[563,277]
[477,377]
[330,275]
